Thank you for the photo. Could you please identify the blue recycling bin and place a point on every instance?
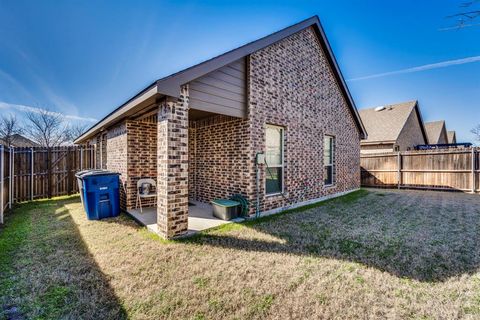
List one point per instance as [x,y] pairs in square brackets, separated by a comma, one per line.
[79,176]
[100,193]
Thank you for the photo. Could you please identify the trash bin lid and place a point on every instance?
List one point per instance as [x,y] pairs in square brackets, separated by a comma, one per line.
[95,172]
[79,174]
[225,203]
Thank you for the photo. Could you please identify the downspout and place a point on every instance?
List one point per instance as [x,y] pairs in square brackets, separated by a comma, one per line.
[195,159]
[259,158]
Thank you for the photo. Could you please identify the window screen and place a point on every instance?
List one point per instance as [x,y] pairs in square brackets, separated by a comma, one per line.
[274,159]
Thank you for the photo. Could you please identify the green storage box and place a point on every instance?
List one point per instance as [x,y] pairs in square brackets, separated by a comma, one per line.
[225,209]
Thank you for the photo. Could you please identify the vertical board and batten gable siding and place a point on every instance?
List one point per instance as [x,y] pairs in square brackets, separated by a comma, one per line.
[222,91]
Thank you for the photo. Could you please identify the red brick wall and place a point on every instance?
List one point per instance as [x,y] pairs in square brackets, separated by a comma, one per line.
[130,148]
[218,158]
[142,158]
[116,156]
[172,166]
[291,84]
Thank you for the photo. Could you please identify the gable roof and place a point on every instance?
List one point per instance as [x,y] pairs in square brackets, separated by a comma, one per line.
[384,124]
[434,131]
[171,85]
[20,141]
[452,137]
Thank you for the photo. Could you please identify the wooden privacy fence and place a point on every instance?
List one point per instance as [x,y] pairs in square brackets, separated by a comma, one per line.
[36,173]
[455,169]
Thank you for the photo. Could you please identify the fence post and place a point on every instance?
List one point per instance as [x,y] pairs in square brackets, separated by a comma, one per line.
[81,158]
[95,156]
[2,156]
[399,169]
[473,170]
[69,171]
[101,152]
[49,173]
[31,173]
[11,180]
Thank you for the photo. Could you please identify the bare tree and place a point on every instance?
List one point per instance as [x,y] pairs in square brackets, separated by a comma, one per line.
[476,132]
[469,12]
[76,130]
[47,128]
[9,127]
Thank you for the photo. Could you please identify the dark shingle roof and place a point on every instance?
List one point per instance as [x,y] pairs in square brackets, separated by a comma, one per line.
[386,124]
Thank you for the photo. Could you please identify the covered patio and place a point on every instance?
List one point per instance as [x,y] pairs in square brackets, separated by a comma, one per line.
[189,134]
[200,217]
[193,161]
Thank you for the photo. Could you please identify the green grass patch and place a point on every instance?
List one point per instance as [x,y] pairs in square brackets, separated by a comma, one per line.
[201,282]
[347,246]
[263,304]
[39,246]
[54,302]
[225,228]
[145,233]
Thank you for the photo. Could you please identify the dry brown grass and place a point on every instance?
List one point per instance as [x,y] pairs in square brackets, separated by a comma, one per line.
[374,254]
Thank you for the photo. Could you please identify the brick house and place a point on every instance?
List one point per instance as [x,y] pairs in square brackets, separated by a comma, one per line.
[198,132]
[395,127]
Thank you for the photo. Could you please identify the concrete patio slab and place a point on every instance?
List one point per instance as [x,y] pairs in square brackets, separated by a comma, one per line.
[200,217]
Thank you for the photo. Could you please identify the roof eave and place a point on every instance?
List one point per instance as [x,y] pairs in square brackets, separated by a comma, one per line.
[171,85]
[381,142]
[420,119]
[115,115]
[343,85]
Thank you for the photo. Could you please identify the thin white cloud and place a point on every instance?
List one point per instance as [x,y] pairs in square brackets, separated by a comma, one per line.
[23,108]
[438,65]
[43,80]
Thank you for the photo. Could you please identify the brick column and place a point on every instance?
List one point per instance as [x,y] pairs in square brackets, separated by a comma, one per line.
[172,166]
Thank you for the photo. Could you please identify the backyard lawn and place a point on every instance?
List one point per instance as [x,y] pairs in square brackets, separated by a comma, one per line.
[370,254]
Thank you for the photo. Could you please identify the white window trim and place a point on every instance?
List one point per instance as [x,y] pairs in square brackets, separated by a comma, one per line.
[275,166]
[333,161]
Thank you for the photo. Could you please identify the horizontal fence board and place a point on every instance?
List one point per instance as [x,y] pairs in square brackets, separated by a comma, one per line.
[456,169]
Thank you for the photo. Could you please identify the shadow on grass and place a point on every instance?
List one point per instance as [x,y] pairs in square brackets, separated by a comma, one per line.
[47,271]
[415,235]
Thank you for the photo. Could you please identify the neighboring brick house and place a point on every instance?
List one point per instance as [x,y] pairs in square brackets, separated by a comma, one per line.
[396,127]
[199,131]
[436,132]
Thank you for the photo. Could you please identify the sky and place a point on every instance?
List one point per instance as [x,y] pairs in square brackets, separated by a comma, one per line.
[85,58]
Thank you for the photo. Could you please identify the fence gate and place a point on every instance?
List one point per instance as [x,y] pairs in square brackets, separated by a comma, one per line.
[35,173]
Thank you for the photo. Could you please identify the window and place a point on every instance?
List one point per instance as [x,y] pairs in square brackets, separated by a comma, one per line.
[274,159]
[329,160]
